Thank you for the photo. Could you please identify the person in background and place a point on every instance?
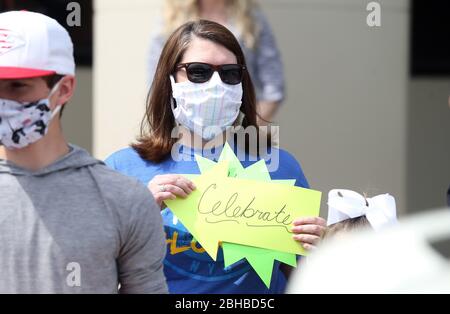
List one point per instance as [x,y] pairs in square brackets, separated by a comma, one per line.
[349,211]
[248,23]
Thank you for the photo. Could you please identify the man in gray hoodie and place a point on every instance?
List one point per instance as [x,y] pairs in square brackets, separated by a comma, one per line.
[68,224]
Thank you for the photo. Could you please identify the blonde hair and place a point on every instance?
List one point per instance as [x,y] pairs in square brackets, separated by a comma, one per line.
[178,12]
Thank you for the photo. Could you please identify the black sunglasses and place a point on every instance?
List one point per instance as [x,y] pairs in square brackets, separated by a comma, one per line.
[198,72]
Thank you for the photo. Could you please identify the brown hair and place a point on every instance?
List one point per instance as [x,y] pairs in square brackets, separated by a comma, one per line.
[348,225]
[155,141]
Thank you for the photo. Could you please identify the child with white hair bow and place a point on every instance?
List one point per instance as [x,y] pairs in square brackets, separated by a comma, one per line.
[349,211]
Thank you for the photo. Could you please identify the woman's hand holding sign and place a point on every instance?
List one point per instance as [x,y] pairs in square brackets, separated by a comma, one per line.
[308,231]
[169,186]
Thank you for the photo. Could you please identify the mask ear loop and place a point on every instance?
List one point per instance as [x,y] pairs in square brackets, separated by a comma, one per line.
[173,103]
[54,88]
[53,91]
[240,119]
[56,111]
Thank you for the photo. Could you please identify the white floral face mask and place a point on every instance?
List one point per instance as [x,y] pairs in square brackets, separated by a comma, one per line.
[22,124]
[206,109]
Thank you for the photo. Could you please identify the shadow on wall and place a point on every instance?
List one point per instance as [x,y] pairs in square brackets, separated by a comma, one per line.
[77,118]
[428,175]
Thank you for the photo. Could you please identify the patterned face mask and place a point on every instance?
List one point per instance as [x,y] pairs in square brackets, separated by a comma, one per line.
[22,124]
[206,109]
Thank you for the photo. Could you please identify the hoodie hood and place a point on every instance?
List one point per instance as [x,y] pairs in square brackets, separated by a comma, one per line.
[76,158]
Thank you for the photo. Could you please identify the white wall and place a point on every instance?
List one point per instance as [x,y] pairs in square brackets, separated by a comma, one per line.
[121,40]
[77,116]
[345,118]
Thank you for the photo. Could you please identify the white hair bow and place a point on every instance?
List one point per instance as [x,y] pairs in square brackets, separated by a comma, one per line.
[345,204]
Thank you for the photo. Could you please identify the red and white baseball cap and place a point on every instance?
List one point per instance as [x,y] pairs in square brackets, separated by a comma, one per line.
[33,45]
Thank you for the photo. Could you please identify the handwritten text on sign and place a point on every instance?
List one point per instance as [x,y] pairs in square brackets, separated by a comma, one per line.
[248,212]
[231,211]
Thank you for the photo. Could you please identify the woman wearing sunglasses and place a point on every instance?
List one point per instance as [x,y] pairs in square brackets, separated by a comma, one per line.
[201,89]
[247,21]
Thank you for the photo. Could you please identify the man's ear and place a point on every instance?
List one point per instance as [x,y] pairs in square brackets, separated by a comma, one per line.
[65,90]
